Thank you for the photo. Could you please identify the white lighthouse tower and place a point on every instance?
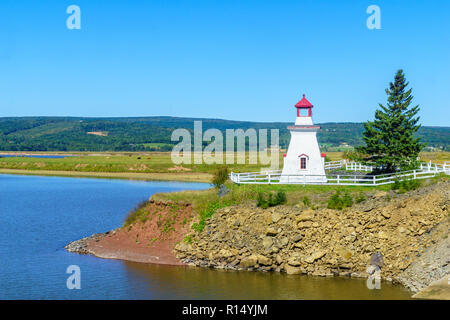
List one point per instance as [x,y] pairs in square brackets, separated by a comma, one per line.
[303,162]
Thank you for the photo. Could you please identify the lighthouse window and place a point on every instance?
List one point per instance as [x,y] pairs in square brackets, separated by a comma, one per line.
[302,163]
[304,112]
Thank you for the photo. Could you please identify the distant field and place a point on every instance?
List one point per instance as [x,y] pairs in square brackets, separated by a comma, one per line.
[116,162]
[158,164]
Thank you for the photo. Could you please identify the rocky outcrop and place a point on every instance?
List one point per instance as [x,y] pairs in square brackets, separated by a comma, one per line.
[81,246]
[323,242]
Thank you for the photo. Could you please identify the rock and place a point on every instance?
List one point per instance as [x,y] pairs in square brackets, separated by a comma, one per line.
[294,261]
[271,232]
[307,215]
[382,235]
[315,256]
[225,253]
[292,270]
[249,262]
[267,242]
[385,214]
[276,217]
[278,259]
[437,290]
[284,241]
[264,260]
[402,230]
[304,225]
[344,253]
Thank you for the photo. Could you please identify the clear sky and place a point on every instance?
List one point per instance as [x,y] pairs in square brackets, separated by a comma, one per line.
[230,59]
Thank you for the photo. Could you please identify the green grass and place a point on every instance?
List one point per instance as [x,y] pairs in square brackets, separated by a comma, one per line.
[149,162]
[136,163]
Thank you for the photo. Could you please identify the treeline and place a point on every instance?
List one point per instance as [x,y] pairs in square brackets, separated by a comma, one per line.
[154,133]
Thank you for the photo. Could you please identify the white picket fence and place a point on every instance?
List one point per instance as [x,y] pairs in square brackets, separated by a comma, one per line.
[275,177]
[334,164]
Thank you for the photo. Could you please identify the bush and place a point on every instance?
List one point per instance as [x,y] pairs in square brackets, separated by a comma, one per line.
[360,198]
[280,198]
[405,185]
[220,176]
[339,202]
[264,201]
[306,201]
[261,202]
[208,213]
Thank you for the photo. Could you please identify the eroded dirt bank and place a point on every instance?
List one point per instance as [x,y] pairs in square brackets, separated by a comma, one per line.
[150,239]
[327,242]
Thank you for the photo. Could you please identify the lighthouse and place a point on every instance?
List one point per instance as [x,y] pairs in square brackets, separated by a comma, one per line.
[303,162]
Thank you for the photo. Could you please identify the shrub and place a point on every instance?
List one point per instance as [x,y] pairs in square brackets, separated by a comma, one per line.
[280,198]
[220,176]
[208,213]
[405,185]
[306,201]
[261,202]
[264,201]
[360,198]
[339,202]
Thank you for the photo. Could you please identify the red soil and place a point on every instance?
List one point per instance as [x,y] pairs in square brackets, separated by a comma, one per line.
[148,241]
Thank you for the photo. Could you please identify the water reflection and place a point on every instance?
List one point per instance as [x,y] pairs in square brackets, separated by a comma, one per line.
[198,283]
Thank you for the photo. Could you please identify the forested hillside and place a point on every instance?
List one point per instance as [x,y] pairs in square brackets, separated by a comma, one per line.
[154,133]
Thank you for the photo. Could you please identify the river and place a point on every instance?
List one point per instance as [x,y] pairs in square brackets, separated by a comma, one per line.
[40,215]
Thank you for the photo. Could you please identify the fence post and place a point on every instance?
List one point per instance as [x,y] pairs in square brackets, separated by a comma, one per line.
[268,177]
[415,174]
[338,178]
[374,180]
[304,179]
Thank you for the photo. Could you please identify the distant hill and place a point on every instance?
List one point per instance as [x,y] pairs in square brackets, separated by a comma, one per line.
[154,133]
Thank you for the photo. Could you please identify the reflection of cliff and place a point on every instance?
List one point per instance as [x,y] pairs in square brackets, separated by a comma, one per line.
[199,283]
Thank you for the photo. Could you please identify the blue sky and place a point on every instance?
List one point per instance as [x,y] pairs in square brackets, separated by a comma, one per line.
[239,60]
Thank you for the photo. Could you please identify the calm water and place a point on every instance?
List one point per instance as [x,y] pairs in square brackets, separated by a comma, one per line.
[40,215]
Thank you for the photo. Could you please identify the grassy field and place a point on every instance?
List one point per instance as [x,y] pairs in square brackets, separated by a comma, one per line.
[144,166]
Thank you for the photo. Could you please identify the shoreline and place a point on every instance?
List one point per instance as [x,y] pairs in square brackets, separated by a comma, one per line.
[156,176]
[147,240]
[96,246]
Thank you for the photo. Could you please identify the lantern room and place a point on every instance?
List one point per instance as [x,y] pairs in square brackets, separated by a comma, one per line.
[304,108]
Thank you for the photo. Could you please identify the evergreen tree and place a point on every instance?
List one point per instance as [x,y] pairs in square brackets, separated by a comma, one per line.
[390,140]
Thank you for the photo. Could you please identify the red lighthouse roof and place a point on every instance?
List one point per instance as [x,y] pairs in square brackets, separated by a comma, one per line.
[303,103]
